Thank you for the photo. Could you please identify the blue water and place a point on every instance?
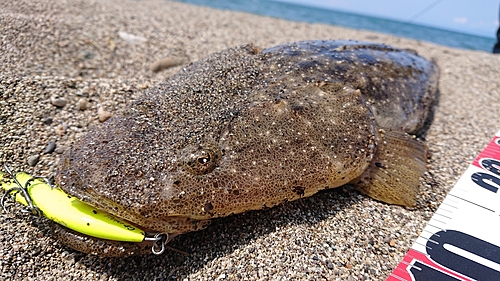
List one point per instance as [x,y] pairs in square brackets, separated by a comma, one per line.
[301,13]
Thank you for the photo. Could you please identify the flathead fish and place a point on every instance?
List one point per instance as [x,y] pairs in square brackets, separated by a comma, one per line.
[249,128]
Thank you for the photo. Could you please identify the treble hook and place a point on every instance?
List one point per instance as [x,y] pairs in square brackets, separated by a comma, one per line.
[160,239]
[31,208]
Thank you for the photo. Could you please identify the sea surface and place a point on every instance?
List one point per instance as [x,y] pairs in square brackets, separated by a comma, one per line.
[308,14]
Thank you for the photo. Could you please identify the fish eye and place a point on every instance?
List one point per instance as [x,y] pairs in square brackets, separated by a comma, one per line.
[202,160]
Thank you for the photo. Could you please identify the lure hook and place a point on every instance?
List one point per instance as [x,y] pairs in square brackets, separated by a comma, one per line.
[159,241]
[30,208]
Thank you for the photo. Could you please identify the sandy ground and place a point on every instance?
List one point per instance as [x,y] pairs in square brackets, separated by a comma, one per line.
[72,49]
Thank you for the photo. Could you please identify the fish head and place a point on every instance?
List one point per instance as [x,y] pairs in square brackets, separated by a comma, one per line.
[281,146]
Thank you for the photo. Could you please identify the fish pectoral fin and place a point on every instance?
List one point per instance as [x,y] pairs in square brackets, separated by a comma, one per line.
[396,169]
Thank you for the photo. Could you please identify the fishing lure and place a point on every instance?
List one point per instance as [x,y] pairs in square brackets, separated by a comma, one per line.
[41,198]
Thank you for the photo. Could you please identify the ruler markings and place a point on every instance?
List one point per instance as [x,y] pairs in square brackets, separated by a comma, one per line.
[473,203]
[445,216]
[461,241]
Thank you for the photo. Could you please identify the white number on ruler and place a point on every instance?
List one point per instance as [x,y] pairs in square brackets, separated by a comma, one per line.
[460,252]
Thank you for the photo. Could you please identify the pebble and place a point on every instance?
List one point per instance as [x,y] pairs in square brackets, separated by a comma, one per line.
[83,104]
[58,101]
[47,121]
[329,264]
[165,63]
[33,160]
[51,146]
[131,38]
[61,149]
[61,130]
[67,257]
[103,114]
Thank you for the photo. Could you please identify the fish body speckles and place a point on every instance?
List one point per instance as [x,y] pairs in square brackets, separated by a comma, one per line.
[248,128]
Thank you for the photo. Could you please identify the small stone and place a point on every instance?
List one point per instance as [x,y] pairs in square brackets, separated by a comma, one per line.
[33,160]
[103,114]
[392,243]
[67,257]
[51,146]
[83,104]
[61,149]
[58,101]
[165,63]
[47,121]
[348,265]
[329,264]
[60,130]
[111,44]
[131,38]
[87,54]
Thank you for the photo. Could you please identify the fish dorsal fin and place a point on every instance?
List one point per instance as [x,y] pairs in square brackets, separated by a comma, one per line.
[395,171]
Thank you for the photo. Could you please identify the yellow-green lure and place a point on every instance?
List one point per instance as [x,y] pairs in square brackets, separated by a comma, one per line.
[67,210]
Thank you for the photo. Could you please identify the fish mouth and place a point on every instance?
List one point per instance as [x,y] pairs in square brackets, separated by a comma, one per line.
[79,179]
[153,242]
[158,230]
[102,247]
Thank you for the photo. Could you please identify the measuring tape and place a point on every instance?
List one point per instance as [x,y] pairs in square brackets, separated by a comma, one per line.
[462,239]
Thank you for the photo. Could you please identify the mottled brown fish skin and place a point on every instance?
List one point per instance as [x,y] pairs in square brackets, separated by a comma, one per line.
[247,128]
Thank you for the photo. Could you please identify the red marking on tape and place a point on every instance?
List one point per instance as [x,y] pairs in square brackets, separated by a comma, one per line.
[406,268]
[492,150]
